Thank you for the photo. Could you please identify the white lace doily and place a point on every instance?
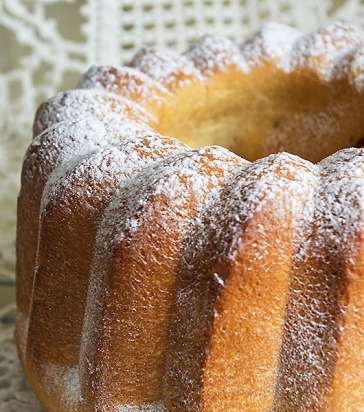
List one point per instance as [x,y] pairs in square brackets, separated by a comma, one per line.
[46,44]
[15,393]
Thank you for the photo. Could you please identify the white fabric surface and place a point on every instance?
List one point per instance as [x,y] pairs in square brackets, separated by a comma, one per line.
[15,393]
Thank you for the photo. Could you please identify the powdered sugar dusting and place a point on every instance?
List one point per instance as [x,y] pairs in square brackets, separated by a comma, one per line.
[147,407]
[65,140]
[273,42]
[213,54]
[176,178]
[178,188]
[120,159]
[356,71]
[100,104]
[315,313]
[170,69]
[60,143]
[62,380]
[257,186]
[327,50]
[169,180]
[273,187]
[341,200]
[124,81]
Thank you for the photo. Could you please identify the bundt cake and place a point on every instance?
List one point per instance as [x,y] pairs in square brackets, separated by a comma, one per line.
[157,274]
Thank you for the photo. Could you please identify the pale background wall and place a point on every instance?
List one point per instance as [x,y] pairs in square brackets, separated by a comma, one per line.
[46,44]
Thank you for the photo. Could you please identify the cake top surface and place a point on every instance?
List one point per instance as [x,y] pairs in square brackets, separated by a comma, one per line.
[333,52]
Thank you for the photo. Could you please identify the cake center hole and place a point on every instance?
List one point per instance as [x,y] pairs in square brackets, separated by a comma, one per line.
[255,115]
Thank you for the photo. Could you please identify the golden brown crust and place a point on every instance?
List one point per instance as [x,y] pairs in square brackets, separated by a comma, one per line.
[130,314]
[230,301]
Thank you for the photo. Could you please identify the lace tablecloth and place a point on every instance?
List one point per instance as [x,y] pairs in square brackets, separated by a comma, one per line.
[15,394]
